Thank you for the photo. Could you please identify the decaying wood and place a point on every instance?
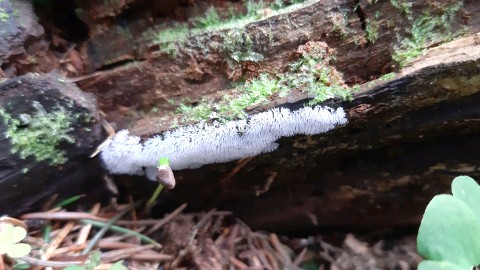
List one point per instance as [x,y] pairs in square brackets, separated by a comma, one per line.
[152,79]
[406,139]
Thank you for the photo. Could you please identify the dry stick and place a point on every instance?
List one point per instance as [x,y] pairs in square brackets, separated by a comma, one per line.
[59,239]
[263,259]
[114,245]
[152,257]
[166,219]
[58,231]
[89,216]
[264,247]
[43,263]
[106,227]
[299,259]
[279,247]
[231,239]
[240,164]
[116,255]
[123,230]
[111,132]
[66,249]
[126,233]
[82,215]
[237,263]
[272,259]
[191,241]
[85,231]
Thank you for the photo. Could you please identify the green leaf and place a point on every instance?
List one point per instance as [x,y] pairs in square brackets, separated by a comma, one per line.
[468,191]
[18,234]
[6,236]
[432,265]
[21,265]
[19,250]
[449,231]
[118,266]
[69,201]
[73,267]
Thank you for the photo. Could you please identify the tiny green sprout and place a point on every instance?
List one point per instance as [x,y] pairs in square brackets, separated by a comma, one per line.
[164,161]
[165,173]
[10,236]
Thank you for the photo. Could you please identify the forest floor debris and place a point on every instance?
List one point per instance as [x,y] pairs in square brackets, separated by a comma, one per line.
[211,240]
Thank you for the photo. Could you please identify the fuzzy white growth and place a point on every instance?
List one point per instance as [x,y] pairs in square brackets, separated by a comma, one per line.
[197,145]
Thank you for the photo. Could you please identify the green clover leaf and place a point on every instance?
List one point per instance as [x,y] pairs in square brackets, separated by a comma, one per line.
[10,235]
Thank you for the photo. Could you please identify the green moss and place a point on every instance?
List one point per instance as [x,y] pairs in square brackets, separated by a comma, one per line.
[253,92]
[426,30]
[310,74]
[172,39]
[201,111]
[387,76]
[340,23]
[209,20]
[38,135]
[313,74]
[404,7]
[371,28]
[237,45]
[4,16]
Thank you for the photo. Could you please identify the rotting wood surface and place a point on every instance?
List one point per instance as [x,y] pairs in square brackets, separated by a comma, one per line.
[145,78]
[406,139]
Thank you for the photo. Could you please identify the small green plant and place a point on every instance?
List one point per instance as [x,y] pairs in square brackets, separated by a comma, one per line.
[210,19]
[10,236]
[170,39]
[449,234]
[254,8]
[404,7]
[3,15]
[39,134]
[311,74]
[165,174]
[387,76]
[426,30]
[372,27]
[254,92]
[238,46]
[203,110]
[340,23]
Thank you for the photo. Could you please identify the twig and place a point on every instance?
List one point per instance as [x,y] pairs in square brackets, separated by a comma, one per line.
[152,257]
[279,247]
[59,239]
[122,230]
[237,263]
[299,259]
[85,231]
[106,227]
[240,164]
[44,263]
[66,249]
[111,132]
[116,255]
[166,219]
